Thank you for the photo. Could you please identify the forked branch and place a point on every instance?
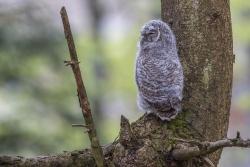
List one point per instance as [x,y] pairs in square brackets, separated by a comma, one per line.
[82,95]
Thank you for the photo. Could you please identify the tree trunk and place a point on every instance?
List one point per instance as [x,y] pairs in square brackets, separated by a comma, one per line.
[204,37]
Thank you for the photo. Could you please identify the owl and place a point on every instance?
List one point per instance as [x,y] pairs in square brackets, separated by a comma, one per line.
[158,71]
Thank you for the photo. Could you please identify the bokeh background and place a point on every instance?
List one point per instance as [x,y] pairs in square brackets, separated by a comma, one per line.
[38,101]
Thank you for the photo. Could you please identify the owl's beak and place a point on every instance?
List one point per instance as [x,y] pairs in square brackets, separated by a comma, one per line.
[148,32]
[152,31]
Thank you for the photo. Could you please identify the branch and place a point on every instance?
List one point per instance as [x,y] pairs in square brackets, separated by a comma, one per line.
[82,95]
[140,144]
[75,158]
[204,148]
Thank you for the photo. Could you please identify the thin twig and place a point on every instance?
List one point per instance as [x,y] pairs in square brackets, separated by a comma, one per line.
[82,95]
[80,125]
[204,148]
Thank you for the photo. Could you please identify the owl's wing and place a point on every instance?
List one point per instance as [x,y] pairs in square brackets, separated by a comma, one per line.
[173,77]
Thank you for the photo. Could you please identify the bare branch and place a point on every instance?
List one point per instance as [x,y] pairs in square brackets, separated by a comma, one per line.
[75,158]
[79,125]
[82,95]
[185,152]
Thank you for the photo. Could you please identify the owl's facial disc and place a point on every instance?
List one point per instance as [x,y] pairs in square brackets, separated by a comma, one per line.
[152,34]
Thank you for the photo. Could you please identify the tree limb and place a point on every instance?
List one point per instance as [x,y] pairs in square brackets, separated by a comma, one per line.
[75,158]
[82,95]
[203,148]
[139,144]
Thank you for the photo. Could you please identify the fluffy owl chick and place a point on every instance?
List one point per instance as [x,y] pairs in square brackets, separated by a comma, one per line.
[159,75]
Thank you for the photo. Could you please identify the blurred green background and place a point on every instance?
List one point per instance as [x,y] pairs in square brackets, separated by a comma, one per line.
[38,101]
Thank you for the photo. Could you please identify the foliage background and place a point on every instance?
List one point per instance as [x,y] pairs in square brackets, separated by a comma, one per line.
[38,101]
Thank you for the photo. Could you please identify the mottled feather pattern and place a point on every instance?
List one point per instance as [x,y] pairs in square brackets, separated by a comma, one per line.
[159,74]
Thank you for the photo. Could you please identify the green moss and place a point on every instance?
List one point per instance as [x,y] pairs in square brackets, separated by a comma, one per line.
[157,139]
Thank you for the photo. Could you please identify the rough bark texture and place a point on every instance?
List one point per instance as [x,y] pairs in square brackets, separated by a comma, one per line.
[148,142]
[204,37]
[75,159]
[145,143]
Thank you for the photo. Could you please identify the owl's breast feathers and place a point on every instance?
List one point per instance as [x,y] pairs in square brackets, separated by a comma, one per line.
[160,84]
[157,77]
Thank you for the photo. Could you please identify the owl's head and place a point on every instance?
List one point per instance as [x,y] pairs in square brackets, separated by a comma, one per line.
[156,30]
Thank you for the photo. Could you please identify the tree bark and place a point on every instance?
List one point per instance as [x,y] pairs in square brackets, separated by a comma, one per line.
[76,159]
[204,36]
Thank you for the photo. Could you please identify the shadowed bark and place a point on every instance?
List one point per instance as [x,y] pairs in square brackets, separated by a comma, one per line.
[204,37]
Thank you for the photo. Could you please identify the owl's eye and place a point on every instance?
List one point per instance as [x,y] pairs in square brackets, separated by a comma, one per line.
[152,35]
[152,32]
